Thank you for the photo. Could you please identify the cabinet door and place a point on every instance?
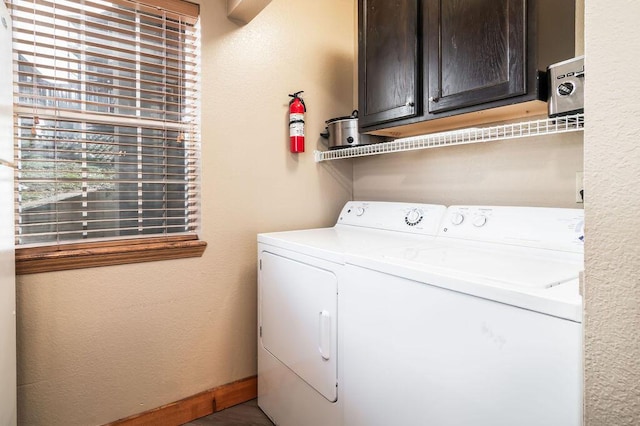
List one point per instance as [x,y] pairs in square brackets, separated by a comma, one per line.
[477,52]
[390,80]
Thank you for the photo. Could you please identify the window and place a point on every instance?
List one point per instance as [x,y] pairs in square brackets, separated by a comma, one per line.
[107,121]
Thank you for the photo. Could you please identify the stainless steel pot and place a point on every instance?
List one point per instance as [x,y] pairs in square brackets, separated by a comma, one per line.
[342,132]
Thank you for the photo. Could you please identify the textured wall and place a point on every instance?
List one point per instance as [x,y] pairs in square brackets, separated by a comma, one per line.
[612,179]
[536,171]
[100,344]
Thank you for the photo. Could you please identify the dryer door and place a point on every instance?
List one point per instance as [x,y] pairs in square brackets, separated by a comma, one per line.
[298,307]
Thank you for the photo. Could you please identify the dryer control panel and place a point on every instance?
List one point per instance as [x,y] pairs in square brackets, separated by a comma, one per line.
[415,218]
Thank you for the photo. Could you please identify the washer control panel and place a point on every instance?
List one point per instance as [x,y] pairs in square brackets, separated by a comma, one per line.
[553,228]
[405,217]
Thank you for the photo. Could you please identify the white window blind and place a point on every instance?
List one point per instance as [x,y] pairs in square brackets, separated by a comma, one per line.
[107,119]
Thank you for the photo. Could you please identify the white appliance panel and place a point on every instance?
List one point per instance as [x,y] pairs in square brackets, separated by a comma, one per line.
[298,319]
[440,357]
[399,217]
[535,227]
[289,400]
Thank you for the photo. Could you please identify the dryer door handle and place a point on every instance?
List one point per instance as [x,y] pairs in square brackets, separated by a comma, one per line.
[324,335]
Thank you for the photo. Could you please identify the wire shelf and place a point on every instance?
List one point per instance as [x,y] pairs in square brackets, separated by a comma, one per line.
[569,123]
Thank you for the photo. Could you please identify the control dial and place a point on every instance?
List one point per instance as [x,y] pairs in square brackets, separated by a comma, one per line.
[413,217]
[359,211]
[479,221]
[566,88]
[457,218]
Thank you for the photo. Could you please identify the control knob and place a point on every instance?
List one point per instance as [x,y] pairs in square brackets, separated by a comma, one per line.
[414,217]
[479,221]
[566,88]
[359,211]
[457,218]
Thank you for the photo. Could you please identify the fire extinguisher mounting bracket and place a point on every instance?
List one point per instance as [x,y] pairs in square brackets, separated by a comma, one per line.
[295,96]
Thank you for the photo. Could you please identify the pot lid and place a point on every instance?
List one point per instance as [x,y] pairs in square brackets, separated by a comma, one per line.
[353,116]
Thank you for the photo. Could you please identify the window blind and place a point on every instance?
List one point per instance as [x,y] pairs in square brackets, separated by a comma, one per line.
[106,107]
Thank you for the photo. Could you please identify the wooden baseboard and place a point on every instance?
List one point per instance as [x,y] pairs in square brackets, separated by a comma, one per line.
[196,406]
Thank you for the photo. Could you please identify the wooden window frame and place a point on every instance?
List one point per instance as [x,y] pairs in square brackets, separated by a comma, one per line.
[33,260]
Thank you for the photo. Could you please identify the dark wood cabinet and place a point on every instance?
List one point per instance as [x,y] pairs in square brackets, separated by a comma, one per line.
[421,61]
[476,52]
[390,78]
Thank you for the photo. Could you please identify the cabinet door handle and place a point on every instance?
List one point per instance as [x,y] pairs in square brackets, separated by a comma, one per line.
[409,104]
[433,99]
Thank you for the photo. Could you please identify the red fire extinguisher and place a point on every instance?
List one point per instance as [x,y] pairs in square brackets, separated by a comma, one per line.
[297,109]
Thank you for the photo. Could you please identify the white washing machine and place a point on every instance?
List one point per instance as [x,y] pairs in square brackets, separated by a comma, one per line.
[300,277]
[481,326]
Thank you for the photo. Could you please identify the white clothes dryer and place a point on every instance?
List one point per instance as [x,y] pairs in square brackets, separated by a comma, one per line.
[300,276]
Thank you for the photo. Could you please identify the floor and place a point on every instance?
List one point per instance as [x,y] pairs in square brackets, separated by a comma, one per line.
[247,414]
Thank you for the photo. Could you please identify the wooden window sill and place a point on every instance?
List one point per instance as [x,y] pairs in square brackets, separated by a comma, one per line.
[92,255]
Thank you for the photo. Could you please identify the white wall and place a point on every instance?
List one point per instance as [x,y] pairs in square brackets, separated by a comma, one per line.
[100,344]
[612,179]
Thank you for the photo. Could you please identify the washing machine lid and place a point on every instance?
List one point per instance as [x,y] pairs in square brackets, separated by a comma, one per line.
[534,279]
[513,267]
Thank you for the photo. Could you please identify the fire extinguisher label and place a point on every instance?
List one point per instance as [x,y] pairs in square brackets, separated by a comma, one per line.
[296,129]
[293,117]
[296,124]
